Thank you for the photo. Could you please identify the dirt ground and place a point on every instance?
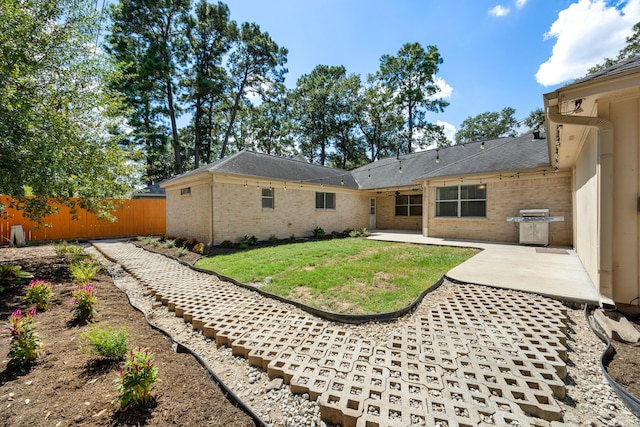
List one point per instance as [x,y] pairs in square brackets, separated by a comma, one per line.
[68,387]
[624,368]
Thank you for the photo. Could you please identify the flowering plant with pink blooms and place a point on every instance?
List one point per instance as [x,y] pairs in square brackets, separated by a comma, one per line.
[137,379]
[25,343]
[38,292]
[84,298]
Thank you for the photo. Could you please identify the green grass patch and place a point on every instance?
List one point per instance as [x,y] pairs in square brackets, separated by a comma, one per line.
[344,275]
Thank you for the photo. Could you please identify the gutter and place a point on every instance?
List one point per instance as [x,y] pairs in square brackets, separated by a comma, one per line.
[605,194]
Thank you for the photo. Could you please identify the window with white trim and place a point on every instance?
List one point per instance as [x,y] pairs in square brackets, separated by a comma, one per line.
[409,205]
[462,201]
[267,198]
[185,191]
[325,200]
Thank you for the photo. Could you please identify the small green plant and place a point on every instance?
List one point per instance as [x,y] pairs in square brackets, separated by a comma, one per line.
[365,233]
[105,341]
[226,244]
[182,251]
[83,271]
[292,238]
[244,246]
[25,343]
[137,379]
[354,233]
[84,299]
[318,233]
[248,240]
[12,275]
[273,239]
[38,292]
[169,243]
[155,243]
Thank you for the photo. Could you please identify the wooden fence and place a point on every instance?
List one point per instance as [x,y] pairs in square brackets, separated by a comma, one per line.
[135,217]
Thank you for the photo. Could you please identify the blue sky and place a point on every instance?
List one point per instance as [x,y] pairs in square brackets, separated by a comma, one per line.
[497,54]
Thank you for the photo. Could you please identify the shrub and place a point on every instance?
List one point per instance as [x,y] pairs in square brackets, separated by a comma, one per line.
[292,238]
[84,270]
[201,249]
[226,244]
[190,243]
[137,379]
[273,239]
[25,343]
[318,233]
[12,275]
[169,243]
[179,241]
[248,240]
[365,233]
[38,292]
[182,252]
[84,299]
[354,233]
[107,342]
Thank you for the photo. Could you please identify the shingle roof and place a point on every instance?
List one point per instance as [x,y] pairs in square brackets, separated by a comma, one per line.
[619,68]
[266,166]
[502,154]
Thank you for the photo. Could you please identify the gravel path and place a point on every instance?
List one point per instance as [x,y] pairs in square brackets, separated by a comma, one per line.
[589,399]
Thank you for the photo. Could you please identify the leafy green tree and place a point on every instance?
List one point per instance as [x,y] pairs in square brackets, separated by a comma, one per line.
[255,63]
[149,35]
[536,120]
[489,125]
[631,49]
[380,120]
[210,35]
[324,103]
[271,123]
[56,110]
[410,76]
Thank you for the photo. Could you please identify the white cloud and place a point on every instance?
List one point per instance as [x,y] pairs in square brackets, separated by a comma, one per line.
[520,3]
[445,89]
[449,129]
[586,32]
[499,11]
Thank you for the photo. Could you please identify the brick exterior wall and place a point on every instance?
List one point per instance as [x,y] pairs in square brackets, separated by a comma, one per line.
[238,211]
[189,215]
[505,198]
[386,214]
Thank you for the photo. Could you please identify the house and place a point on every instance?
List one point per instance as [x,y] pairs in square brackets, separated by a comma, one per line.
[593,126]
[461,192]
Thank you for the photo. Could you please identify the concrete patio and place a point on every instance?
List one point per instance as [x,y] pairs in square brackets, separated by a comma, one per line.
[553,272]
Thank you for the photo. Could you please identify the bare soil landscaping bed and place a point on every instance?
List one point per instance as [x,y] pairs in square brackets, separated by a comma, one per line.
[65,386]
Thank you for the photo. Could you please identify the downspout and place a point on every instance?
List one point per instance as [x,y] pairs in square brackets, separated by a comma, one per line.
[211,210]
[605,193]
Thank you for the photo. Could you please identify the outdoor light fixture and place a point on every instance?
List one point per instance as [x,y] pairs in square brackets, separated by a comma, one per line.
[578,106]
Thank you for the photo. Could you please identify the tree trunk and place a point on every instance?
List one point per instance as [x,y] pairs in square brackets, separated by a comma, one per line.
[197,132]
[232,119]
[174,128]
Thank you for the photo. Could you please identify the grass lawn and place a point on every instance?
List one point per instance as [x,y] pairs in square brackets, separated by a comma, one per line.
[352,275]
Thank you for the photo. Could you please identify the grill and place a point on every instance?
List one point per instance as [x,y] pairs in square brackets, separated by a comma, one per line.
[534,226]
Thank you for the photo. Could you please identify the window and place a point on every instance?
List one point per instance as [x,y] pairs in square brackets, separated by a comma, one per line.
[185,191]
[267,198]
[409,205]
[462,201]
[325,200]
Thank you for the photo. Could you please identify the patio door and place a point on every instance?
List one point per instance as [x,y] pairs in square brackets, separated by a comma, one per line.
[372,213]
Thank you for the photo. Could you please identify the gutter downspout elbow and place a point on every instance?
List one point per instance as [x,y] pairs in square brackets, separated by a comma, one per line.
[604,172]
